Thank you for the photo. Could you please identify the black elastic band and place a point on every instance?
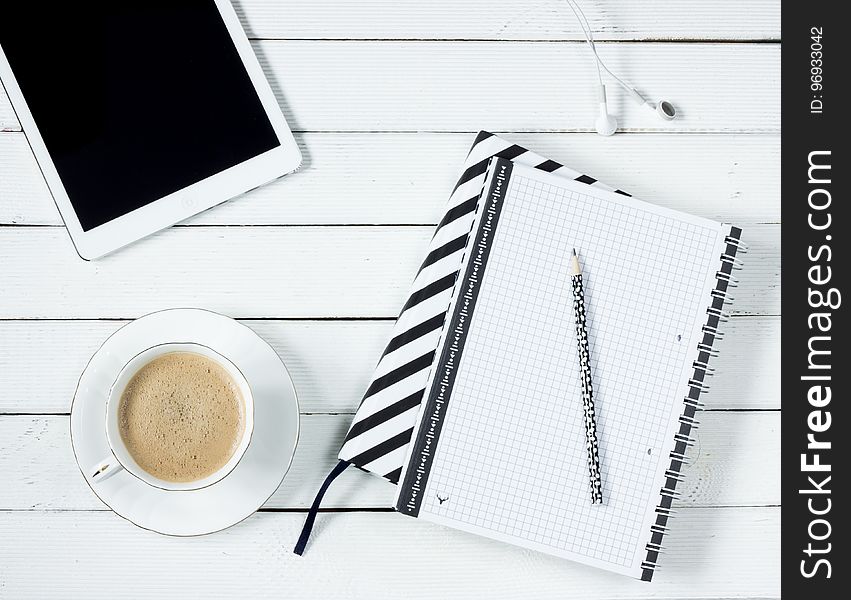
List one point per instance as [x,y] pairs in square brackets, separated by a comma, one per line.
[314,508]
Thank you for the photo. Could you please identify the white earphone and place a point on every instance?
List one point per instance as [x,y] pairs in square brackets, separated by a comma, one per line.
[606,124]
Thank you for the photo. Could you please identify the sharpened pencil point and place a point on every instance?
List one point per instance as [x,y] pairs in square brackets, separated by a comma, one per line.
[574,264]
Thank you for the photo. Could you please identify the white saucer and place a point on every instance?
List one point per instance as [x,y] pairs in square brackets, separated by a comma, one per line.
[261,469]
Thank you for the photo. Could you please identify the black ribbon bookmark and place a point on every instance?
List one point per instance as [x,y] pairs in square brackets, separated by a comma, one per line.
[314,508]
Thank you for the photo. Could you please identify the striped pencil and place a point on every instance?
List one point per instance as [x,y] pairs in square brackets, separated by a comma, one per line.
[587,386]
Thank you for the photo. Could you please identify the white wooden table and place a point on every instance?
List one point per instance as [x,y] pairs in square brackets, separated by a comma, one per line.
[385,97]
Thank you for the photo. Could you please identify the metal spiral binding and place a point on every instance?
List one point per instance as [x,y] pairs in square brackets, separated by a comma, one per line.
[732,240]
[672,493]
[731,281]
[719,314]
[707,349]
[737,263]
[705,366]
[697,404]
[679,457]
[713,329]
[698,384]
[716,316]
[674,475]
[685,439]
[722,296]
[689,421]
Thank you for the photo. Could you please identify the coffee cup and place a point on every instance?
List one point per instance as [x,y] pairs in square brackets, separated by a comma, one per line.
[121,456]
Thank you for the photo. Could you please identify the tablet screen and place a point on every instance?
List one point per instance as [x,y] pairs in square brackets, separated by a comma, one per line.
[134,99]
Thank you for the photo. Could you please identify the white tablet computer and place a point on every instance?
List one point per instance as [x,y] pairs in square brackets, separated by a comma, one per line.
[140,113]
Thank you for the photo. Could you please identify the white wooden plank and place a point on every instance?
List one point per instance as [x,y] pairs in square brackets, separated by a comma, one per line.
[732,464]
[748,365]
[263,272]
[331,361]
[239,271]
[508,20]
[40,472]
[734,460]
[448,86]
[712,553]
[406,178]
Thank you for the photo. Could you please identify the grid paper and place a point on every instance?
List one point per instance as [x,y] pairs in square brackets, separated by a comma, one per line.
[511,457]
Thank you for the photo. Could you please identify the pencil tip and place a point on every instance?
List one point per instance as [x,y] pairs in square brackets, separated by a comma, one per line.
[574,252]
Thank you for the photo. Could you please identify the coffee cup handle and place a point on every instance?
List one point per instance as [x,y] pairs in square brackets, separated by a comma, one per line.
[105,469]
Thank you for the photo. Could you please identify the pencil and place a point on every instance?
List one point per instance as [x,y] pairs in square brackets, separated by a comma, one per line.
[585,375]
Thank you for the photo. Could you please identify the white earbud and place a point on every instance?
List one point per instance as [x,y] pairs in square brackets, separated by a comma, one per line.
[666,110]
[663,108]
[606,124]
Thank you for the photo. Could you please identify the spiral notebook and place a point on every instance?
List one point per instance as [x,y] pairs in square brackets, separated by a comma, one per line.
[498,446]
[381,432]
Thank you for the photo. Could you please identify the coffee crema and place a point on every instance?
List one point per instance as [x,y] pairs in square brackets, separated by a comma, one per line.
[181,417]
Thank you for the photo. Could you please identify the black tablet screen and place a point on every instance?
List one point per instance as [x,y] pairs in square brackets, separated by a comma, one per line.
[135,99]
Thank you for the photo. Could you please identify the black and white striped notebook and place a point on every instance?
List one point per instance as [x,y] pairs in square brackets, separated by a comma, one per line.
[498,447]
[380,433]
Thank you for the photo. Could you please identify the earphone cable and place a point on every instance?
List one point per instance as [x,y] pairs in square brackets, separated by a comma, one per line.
[589,37]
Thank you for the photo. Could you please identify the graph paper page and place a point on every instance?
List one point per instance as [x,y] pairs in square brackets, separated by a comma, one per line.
[510,462]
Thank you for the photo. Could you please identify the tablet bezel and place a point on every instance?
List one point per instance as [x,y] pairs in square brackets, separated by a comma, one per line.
[186,202]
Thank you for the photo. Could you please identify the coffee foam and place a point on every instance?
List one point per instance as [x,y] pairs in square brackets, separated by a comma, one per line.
[181,417]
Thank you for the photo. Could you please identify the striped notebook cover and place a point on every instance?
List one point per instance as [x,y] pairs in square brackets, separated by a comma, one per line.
[385,421]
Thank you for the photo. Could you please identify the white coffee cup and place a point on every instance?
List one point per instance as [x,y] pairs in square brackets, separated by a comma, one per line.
[120,457]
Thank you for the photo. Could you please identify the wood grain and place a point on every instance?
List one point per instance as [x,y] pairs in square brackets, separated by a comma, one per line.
[732,464]
[385,115]
[441,86]
[508,20]
[331,361]
[263,272]
[711,553]
[362,178]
